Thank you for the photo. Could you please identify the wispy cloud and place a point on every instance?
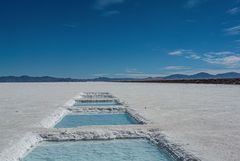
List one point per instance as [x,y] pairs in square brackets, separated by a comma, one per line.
[192,3]
[189,54]
[234,11]
[233,30]
[102,4]
[225,58]
[110,13]
[193,56]
[229,59]
[177,52]
[237,41]
[176,68]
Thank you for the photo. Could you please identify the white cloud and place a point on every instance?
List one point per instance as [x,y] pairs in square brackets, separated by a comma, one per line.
[102,4]
[234,11]
[189,54]
[233,30]
[237,41]
[193,56]
[226,58]
[176,52]
[218,54]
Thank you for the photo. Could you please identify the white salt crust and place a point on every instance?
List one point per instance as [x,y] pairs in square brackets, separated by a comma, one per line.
[203,119]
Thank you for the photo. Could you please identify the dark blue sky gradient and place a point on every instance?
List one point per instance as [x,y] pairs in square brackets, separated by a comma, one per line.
[128,38]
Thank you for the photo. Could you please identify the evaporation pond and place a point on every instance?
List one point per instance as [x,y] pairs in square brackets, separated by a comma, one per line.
[110,150]
[75,120]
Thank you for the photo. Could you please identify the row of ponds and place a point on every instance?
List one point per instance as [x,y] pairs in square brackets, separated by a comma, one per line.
[97,150]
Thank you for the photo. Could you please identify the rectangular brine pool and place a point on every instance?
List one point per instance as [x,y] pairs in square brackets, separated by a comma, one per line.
[76,120]
[96,103]
[110,150]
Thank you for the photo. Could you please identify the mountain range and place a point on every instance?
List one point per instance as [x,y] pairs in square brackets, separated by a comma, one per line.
[202,75]
[26,78]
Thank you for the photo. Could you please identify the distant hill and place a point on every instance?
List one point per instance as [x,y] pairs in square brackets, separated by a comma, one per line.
[228,75]
[202,75]
[106,79]
[36,79]
[26,78]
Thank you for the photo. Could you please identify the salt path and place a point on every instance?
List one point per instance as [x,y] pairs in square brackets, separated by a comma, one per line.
[204,119]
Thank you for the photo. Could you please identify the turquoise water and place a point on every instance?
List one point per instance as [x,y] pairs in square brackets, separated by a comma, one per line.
[70,121]
[111,150]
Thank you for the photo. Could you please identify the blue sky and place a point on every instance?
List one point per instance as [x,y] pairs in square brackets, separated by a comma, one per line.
[118,38]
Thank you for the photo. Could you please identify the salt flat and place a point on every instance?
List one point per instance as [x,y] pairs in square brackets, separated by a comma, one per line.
[204,119]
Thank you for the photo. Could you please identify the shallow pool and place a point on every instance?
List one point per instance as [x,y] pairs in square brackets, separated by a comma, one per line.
[96,103]
[75,120]
[111,150]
